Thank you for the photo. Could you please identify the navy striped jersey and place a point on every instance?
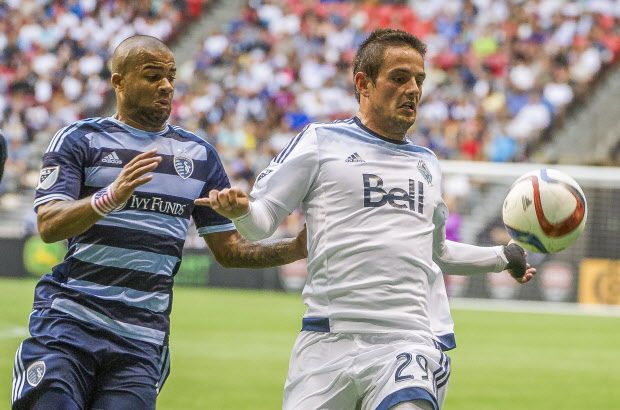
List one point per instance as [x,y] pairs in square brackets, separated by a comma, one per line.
[119,273]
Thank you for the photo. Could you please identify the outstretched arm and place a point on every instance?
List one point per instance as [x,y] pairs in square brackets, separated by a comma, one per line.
[255,220]
[233,251]
[463,259]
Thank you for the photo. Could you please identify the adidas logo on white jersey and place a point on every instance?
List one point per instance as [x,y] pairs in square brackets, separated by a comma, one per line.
[112,158]
[355,157]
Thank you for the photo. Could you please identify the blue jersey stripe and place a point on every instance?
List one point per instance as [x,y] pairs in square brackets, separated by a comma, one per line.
[148,222]
[125,258]
[101,158]
[132,331]
[153,301]
[111,141]
[111,308]
[290,146]
[170,184]
[165,205]
[122,237]
[104,275]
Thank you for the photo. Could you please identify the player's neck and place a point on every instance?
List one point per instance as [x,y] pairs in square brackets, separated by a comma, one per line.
[376,127]
[124,118]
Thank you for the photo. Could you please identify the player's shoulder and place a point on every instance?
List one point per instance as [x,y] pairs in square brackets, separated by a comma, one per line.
[332,125]
[75,133]
[185,136]
[325,130]
[423,150]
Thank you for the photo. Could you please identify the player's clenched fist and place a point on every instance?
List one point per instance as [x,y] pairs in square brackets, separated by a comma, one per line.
[229,202]
[133,174]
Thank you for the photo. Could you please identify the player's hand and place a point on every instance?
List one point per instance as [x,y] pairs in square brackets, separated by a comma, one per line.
[133,174]
[301,241]
[229,202]
[517,266]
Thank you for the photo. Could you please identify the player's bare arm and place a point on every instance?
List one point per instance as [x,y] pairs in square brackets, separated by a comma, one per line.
[58,220]
[233,251]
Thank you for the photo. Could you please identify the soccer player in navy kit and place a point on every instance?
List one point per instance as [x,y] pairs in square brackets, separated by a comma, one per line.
[377,318]
[121,190]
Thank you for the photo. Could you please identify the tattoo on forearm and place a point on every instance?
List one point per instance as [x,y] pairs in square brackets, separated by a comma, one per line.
[263,254]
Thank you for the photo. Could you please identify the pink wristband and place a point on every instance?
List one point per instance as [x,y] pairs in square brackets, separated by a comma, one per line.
[104,201]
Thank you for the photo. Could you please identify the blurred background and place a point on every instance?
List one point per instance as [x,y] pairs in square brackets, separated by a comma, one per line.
[511,85]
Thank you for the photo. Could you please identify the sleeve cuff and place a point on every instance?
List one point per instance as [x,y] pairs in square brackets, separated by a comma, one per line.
[502,260]
[51,197]
[216,228]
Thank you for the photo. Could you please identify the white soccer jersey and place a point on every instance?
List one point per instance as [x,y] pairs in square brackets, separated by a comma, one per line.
[374,210]
[369,205]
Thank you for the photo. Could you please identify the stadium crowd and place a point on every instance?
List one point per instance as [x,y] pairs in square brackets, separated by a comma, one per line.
[53,71]
[499,73]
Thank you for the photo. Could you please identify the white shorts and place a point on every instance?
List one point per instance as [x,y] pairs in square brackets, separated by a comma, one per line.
[350,371]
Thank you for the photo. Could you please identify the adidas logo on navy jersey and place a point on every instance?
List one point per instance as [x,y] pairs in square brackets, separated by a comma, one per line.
[355,157]
[112,158]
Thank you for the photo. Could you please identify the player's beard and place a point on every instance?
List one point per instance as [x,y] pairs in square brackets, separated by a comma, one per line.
[400,124]
[157,116]
[154,116]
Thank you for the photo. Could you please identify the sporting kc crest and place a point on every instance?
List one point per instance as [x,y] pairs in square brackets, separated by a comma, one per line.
[184,165]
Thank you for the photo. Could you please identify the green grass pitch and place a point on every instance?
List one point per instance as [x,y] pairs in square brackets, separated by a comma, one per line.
[230,351]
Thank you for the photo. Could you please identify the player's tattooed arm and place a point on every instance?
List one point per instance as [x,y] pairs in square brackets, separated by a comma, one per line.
[233,251]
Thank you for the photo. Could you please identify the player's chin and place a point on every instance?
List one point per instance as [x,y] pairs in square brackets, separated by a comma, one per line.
[159,113]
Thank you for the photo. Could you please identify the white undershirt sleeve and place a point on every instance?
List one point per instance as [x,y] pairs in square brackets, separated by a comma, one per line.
[462,259]
[281,187]
[261,221]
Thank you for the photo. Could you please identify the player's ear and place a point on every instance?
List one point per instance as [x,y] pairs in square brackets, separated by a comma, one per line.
[117,81]
[362,82]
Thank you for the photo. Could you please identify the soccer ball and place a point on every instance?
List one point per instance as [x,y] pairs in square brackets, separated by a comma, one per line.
[545,211]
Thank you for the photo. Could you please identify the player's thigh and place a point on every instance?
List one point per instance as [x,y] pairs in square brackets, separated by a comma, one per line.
[51,400]
[137,397]
[41,366]
[318,376]
[132,378]
[407,372]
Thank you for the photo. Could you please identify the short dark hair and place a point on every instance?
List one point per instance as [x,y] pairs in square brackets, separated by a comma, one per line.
[369,56]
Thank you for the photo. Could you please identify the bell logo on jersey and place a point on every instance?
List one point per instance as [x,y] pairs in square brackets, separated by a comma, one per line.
[375,196]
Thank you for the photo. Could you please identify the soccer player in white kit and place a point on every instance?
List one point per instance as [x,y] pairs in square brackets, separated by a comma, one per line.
[377,318]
